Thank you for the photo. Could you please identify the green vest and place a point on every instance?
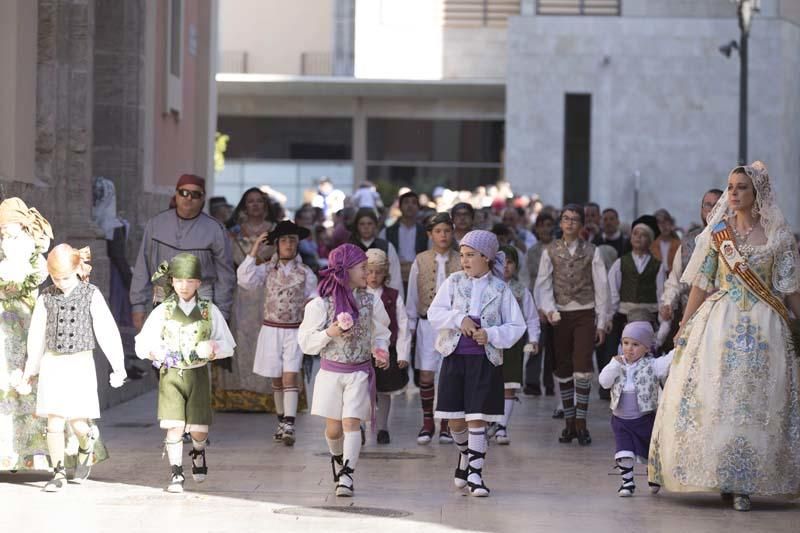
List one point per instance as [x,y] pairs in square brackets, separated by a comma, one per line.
[181,333]
[638,288]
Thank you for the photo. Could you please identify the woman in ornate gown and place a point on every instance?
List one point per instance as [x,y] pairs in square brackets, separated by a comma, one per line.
[238,388]
[729,418]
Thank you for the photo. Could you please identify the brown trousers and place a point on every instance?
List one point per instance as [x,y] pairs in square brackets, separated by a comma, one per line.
[574,343]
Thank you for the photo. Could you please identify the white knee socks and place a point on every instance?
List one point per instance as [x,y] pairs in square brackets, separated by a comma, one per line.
[55,446]
[352,448]
[277,395]
[174,451]
[477,443]
[290,399]
[336,446]
[508,408]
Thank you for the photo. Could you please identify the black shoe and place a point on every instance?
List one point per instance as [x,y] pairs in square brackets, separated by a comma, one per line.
[558,413]
[584,439]
[532,390]
[567,435]
[199,467]
[548,391]
[383,437]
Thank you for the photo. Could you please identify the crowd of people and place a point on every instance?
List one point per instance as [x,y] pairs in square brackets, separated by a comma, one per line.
[473,297]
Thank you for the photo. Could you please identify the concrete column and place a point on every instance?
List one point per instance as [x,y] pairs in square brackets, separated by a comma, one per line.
[359,144]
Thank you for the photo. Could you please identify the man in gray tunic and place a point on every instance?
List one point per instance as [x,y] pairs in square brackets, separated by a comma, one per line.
[184,228]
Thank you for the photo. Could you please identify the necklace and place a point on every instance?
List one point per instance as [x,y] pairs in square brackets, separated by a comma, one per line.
[744,248]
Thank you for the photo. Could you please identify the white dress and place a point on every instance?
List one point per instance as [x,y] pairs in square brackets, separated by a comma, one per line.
[729,418]
[68,382]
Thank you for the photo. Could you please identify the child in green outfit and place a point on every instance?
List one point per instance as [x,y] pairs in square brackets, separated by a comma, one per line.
[181,336]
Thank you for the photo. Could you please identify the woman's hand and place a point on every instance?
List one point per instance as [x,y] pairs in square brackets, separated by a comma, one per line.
[468,327]
[402,364]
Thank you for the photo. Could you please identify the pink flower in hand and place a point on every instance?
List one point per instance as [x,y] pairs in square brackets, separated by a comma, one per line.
[345,321]
[380,355]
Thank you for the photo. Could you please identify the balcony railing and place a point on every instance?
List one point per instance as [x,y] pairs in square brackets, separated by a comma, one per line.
[479,13]
[610,8]
[316,64]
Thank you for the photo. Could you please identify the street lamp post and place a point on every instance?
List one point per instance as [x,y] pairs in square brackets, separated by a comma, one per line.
[745,10]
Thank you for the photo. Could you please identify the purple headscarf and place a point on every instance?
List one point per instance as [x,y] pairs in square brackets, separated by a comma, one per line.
[640,331]
[334,280]
[486,243]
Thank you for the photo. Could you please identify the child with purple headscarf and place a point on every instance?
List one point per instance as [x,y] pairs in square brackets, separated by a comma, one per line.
[347,326]
[634,379]
[477,317]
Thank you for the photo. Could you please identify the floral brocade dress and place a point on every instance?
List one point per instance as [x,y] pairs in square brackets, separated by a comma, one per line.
[729,418]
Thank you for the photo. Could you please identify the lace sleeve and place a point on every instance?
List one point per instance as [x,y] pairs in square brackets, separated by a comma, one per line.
[701,271]
[784,270]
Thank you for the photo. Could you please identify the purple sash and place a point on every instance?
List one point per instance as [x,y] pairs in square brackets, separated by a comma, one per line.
[467,345]
[344,368]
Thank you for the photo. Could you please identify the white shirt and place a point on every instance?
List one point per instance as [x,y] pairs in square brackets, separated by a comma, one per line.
[395,275]
[615,280]
[407,242]
[365,197]
[527,237]
[531,316]
[251,276]
[149,339]
[442,315]
[412,304]
[672,286]
[403,333]
[103,324]
[544,287]
[312,336]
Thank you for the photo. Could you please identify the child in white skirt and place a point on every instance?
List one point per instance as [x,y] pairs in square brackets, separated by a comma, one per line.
[61,341]
[347,327]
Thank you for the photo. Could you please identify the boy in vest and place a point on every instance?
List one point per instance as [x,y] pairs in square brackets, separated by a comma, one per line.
[347,327]
[634,379]
[572,286]
[289,284]
[181,336]
[477,317]
[635,282]
[428,272]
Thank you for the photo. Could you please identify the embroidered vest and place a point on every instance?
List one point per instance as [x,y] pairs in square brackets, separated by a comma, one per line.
[69,319]
[426,279]
[647,386]
[356,345]
[389,299]
[284,298]
[182,333]
[572,274]
[491,298]
[638,288]
[518,290]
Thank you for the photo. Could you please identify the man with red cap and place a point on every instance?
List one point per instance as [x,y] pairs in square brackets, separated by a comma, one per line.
[184,228]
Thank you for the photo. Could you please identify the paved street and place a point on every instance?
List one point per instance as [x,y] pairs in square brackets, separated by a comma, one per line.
[255,485]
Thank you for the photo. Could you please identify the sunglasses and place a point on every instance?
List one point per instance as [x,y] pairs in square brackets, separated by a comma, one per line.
[185,193]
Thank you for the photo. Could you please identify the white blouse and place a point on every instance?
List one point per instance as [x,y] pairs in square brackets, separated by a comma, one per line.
[149,339]
[105,331]
[442,315]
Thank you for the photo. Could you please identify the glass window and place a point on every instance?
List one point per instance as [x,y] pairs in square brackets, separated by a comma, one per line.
[287,138]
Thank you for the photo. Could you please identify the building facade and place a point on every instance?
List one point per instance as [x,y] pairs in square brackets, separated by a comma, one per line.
[120,89]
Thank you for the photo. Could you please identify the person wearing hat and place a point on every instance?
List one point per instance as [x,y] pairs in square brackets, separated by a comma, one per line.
[348,327]
[184,228]
[635,282]
[180,337]
[288,284]
[634,377]
[428,272]
[572,290]
[477,317]
[365,236]
[68,317]
[219,208]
